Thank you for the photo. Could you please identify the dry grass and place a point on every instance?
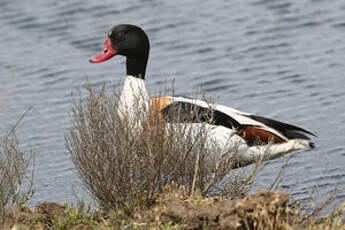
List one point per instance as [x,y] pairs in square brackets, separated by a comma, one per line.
[123,163]
[13,166]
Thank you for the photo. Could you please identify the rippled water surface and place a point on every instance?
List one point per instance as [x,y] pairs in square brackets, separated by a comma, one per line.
[279,58]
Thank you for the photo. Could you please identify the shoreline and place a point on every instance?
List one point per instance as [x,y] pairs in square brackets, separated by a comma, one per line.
[174,209]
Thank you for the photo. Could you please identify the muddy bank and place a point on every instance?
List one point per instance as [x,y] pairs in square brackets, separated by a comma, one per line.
[263,209]
[174,209]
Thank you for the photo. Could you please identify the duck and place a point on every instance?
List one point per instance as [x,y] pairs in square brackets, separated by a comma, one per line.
[256,137]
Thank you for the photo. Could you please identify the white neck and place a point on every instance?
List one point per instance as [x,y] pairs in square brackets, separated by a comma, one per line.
[134,97]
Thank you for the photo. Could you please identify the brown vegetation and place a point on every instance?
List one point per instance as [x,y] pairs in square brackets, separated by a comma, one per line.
[124,162]
[13,167]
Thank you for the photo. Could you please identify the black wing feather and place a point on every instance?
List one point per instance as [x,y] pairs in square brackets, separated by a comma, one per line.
[290,131]
[179,111]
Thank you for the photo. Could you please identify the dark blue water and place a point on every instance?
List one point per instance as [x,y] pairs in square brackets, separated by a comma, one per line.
[282,59]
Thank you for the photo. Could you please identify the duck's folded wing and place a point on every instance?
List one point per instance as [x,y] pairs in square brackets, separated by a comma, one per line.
[253,129]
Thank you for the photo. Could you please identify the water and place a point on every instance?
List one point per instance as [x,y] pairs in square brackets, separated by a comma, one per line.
[282,59]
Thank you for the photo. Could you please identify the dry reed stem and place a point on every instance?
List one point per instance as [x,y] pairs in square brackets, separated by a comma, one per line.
[196,167]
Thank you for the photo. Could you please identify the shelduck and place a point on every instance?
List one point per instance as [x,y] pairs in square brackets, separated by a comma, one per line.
[255,136]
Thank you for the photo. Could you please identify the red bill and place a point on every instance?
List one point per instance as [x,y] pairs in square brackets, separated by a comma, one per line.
[106,53]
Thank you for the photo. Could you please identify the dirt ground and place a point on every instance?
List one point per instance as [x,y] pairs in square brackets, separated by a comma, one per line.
[172,209]
[262,209]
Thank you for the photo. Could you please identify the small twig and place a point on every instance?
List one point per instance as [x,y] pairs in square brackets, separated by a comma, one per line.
[196,168]
[278,178]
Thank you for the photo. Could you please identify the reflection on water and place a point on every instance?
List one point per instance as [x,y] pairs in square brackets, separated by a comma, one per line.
[282,59]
